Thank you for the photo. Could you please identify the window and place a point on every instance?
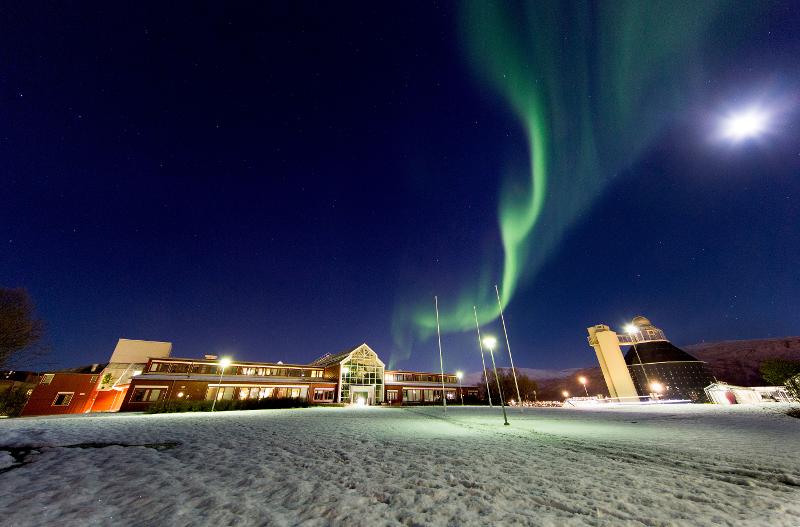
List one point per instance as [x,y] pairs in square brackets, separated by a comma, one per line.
[63,398]
[47,378]
[146,395]
[163,367]
[294,393]
[180,368]
[93,379]
[412,395]
[391,395]
[316,373]
[323,395]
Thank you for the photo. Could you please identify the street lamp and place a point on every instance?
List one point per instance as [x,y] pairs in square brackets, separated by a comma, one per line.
[459,376]
[583,381]
[632,329]
[224,362]
[565,393]
[491,342]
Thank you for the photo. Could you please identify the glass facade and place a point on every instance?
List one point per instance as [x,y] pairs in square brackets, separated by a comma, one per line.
[362,368]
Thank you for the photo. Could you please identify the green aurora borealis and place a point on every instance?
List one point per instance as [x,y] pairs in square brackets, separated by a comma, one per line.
[591,84]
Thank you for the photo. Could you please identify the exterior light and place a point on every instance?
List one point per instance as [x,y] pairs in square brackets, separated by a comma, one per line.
[565,393]
[459,375]
[657,387]
[630,329]
[224,362]
[180,394]
[490,342]
[583,381]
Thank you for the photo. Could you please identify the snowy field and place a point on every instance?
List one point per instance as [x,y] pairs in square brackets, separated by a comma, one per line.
[660,465]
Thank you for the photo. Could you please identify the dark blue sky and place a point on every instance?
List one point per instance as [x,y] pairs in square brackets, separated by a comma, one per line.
[261,180]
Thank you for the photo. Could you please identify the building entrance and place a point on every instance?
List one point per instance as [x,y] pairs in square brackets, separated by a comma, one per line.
[362,395]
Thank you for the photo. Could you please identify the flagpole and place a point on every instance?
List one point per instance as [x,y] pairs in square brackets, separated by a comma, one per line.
[508,345]
[441,361]
[480,345]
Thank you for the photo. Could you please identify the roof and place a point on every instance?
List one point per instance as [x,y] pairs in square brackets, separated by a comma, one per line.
[236,362]
[657,351]
[89,368]
[330,359]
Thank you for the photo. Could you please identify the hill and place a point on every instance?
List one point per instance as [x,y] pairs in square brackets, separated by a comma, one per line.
[737,361]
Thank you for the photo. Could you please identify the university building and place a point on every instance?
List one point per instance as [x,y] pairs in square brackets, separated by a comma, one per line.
[356,376]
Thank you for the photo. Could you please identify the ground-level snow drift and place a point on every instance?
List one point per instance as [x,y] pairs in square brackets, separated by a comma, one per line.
[670,465]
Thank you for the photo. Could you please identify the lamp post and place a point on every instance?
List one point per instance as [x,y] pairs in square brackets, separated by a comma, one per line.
[491,342]
[459,376]
[583,381]
[631,329]
[223,363]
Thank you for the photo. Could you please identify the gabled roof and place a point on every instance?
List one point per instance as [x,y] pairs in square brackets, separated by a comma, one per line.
[329,359]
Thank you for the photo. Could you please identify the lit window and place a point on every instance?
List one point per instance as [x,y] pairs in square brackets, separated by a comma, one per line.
[323,395]
[145,395]
[47,378]
[63,398]
[391,395]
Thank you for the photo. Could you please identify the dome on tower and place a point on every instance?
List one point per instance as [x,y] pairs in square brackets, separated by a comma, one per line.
[640,321]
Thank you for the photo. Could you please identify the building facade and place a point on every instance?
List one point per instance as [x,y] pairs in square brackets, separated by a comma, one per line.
[64,392]
[356,376]
[651,367]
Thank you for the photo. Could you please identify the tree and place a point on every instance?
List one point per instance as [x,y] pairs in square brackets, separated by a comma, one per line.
[776,371]
[20,329]
[527,386]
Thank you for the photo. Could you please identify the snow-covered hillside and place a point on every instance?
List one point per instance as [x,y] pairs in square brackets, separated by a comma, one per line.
[668,465]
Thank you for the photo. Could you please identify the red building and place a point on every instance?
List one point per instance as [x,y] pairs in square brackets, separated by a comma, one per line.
[356,376]
[66,392]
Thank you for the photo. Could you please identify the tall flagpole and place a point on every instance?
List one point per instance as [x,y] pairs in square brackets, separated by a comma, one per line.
[441,362]
[519,399]
[480,345]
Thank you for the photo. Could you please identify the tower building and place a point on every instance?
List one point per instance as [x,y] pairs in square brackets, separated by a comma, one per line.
[651,365]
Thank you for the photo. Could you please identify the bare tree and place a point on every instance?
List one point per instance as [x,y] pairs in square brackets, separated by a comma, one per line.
[21,331]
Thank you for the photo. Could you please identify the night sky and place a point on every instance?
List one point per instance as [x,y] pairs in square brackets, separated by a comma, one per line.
[280,180]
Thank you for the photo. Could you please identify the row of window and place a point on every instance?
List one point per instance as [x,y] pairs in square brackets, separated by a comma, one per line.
[214,369]
[416,377]
[413,395]
[226,393]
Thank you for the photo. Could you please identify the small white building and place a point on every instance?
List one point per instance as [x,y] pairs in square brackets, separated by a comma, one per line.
[723,393]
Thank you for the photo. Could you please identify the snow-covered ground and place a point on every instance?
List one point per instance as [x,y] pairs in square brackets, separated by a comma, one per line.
[670,465]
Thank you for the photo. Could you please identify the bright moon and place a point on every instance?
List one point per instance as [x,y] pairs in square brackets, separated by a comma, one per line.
[749,123]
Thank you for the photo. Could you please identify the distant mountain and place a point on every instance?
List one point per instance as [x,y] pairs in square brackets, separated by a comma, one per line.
[737,361]
[733,361]
[533,373]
